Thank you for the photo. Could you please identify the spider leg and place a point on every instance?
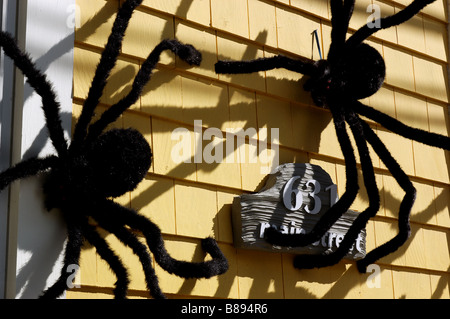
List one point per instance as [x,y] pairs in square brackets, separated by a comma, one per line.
[401,129]
[185,51]
[71,257]
[25,169]
[342,205]
[111,258]
[265,64]
[130,240]
[217,266]
[42,86]
[311,261]
[107,62]
[402,16]
[405,206]
[340,18]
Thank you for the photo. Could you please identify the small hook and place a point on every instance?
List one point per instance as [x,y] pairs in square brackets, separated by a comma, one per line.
[316,35]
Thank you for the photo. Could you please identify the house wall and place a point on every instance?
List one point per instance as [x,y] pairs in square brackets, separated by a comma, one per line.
[190,201]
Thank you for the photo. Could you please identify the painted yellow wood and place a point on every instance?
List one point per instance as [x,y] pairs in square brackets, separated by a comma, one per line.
[197,11]
[411,284]
[295,31]
[400,148]
[319,7]
[154,198]
[172,149]
[242,108]
[411,33]
[399,68]
[144,32]
[431,78]
[259,282]
[236,23]
[384,101]
[442,198]
[436,246]
[224,204]
[436,42]
[437,9]
[118,84]
[220,164]
[162,96]
[276,114]
[253,168]
[262,22]
[196,210]
[440,286]
[205,101]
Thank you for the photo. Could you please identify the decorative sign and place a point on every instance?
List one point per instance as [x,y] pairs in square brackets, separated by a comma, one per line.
[293,200]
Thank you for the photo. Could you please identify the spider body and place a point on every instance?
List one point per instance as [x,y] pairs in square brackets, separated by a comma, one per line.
[115,163]
[96,166]
[352,71]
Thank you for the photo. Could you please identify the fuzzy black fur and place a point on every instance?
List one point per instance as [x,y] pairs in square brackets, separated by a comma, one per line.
[353,70]
[98,165]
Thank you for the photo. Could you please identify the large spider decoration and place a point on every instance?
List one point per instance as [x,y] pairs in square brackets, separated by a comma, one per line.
[353,70]
[97,166]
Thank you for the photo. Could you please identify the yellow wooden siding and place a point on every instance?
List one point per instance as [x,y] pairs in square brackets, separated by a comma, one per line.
[190,200]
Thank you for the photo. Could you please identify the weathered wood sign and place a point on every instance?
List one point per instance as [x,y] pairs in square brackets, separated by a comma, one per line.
[293,200]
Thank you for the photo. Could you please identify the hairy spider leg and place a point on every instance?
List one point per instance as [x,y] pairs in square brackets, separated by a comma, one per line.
[328,219]
[39,82]
[394,125]
[217,266]
[311,261]
[402,16]
[340,19]
[185,51]
[71,257]
[26,169]
[129,239]
[405,206]
[107,62]
[108,255]
[106,219]
[265,64]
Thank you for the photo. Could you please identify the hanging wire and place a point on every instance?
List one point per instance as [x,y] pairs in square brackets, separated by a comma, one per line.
[316,35]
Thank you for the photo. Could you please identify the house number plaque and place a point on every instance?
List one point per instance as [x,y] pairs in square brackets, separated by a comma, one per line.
[293,200]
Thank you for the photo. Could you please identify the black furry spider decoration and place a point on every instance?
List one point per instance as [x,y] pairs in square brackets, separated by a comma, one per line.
[99,165]
[353,70]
